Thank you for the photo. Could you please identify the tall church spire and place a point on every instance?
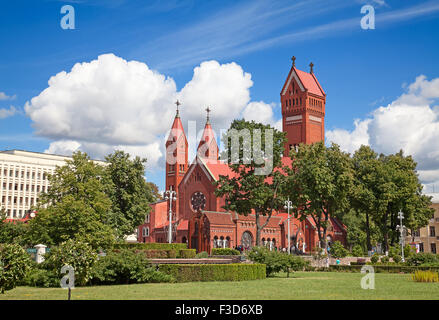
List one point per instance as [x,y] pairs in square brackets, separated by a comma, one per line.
[176,153]
[208,148]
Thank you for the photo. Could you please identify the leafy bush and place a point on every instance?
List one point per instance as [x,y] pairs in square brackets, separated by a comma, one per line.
[423,258]
[375,258]
[214,272]
[151,246]
[126,266]
[225,252]
[397,258]
[276,261]
[202,255]
[357,251]
[338,250]
[425,276]
[385,259]
[38,277]
[187,253]
[14,265]
[79,255]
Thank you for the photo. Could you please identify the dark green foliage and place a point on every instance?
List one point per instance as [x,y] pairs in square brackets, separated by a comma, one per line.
[14,266]
[151,246]
[12,232]
[357,251]
[338,250]
[256,186]
[38,277]
[75,207]
[276,261]
[422,258]
[225,252]
[214,272]
[126,266]
[319,182]
[384,259]
[375,258]
[397,258]
[79,255]
[129,192]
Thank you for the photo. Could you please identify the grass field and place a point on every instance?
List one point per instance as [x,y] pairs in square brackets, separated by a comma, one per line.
[302,285]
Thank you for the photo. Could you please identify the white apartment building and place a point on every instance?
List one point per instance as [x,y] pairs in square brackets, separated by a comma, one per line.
[23,176]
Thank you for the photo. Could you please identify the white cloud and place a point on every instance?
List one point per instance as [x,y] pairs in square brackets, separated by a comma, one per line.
[224,88]
[4,96]
[63,147]
[5,113]
[110,103]
[410,123]
[350,141]
[262,112]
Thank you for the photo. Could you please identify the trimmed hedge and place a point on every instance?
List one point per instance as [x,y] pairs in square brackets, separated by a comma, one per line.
[214,272]
[167,254]
[381,268]
[225,252]
[187,253]
[151,246]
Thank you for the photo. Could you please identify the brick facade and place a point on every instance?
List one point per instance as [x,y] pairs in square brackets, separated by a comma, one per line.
[199,217]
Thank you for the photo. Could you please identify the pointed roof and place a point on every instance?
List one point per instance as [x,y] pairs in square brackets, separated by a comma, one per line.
[208,135]
[176,130]
[307,81]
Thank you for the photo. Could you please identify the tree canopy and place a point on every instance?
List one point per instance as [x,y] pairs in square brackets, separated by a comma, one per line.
[254,153]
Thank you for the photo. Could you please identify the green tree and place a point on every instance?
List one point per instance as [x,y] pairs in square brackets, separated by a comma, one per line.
[154,190]
[319,182]
[14,266]
[406,195]
[256,183]
[12,232]
[129,192]
[79,255]
[75,207]
[371,191]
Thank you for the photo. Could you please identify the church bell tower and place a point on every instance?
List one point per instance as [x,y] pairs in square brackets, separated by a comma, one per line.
[303,108]
[176,155]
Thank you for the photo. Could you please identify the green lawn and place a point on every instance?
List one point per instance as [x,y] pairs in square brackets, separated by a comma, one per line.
[302,285]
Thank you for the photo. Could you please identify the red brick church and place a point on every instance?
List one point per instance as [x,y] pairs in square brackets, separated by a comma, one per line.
[198,217]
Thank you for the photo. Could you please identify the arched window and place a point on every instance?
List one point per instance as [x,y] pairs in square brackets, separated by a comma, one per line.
[145,232]
[215,242]
[227,244]
[221,244]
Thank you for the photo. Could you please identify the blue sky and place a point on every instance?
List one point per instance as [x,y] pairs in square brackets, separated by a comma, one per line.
[360,70]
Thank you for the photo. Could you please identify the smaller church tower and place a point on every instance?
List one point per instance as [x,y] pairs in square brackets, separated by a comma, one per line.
[303,108]
[208,148]
[176,155]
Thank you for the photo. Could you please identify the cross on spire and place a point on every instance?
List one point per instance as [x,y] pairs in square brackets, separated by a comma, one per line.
[177,103]
[208,111]
[311,65]
[294,61]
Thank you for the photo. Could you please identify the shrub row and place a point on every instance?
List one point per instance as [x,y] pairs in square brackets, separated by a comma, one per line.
[382,268]
[166,254]
[225,252]
[214,272]
[151,246]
